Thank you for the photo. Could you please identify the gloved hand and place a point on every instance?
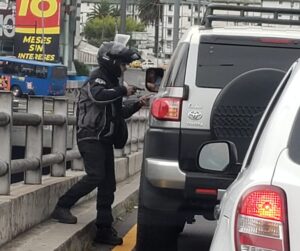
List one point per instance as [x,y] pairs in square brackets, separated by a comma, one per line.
[144,100]
[130,90]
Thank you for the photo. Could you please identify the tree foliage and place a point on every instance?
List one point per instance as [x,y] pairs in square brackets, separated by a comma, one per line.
[151,12]
[102,29]
[81,68]
[100,10]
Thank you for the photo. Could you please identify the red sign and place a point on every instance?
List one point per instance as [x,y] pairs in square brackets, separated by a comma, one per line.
[38,16]
[37,29]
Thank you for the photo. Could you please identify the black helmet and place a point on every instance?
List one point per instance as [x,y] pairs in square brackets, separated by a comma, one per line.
[116,53]
[112,54]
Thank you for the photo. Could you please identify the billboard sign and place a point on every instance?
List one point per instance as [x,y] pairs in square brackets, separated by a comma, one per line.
[7,24]
[37,29]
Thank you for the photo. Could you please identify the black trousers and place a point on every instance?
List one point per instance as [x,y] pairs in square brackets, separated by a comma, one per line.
[99,165]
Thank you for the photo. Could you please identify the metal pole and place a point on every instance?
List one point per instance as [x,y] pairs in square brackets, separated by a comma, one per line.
[158,50]
[35,33]
[199,5]
[43,30]
[123,16]
[192,13]
[162,31]
[66,42]
[176,23]
[77,32]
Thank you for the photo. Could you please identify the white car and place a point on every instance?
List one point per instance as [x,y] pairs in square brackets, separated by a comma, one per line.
[260,210]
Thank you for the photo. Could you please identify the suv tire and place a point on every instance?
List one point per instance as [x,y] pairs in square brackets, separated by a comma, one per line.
[157,230]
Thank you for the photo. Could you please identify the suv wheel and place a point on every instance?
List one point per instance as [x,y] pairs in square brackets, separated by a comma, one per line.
[157,230]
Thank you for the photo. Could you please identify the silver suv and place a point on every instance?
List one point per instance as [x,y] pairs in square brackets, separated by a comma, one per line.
[217,86]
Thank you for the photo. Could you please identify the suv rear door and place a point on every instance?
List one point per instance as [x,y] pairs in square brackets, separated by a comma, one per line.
[216,61]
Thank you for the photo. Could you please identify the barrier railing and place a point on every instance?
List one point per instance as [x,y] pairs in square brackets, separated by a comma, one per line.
[35,118]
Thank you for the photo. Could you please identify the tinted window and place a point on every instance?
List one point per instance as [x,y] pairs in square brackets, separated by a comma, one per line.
[41,71]
[294,141]
[218,64]
[28,70]
[18,69]
[175,74]
[59,72]
[9,68]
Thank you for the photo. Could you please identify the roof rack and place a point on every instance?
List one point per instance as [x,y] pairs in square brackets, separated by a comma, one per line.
[209,15]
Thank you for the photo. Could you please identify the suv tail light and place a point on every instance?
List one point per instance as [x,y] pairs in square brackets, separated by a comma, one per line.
[261,221]
[166,108]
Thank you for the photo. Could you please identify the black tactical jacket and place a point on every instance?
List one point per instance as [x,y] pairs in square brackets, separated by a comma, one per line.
[100,106]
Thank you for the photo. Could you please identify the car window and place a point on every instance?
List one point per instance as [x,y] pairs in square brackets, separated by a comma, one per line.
[59,72]
[175,74]
[294,140]
[218,64]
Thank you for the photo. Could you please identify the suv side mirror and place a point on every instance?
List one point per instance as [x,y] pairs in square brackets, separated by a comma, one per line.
[153,79]
[219,156]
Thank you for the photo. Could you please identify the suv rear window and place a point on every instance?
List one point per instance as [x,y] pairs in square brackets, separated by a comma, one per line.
[218,64]
[175,74]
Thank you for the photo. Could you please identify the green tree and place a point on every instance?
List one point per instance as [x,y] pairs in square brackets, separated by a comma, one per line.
[98,30]
[101,9]
[81,68]
[150,12]
[115,12]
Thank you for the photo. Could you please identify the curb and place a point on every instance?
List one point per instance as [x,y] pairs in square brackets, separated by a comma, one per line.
[52,235]
[81,241]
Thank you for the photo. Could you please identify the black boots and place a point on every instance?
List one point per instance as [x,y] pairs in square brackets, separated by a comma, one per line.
[108,235]
[104,235]
[63,215]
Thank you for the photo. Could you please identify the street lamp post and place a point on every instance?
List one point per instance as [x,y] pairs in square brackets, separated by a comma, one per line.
[123,16]
[176,23]
[66,31]
[43,30]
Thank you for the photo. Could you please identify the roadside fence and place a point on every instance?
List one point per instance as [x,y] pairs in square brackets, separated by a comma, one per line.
[61,122]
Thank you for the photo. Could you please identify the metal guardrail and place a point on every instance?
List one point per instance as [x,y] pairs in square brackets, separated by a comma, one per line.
[34,119]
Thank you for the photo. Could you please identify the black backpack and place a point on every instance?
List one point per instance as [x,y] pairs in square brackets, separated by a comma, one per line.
[120,133]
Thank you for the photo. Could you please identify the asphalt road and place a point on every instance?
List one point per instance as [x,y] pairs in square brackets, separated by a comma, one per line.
[195,237]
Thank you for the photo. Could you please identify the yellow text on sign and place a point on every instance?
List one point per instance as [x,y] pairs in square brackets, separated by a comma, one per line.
[35,8]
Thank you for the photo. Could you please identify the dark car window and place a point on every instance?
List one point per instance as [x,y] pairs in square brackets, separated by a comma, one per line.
[59,72]
[218,64]
[294,140]
[175,74]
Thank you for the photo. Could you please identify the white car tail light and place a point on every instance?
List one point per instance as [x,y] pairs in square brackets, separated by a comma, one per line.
[261,221]
[166,109]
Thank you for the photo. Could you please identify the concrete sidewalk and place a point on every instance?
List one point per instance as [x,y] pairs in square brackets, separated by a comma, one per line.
[52,235]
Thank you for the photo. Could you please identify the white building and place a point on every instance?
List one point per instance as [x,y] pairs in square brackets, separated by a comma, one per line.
[191,13]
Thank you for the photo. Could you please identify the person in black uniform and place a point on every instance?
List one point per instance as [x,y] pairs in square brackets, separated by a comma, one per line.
[100,116]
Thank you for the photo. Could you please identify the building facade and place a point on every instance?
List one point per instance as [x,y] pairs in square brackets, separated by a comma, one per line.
[191,13]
